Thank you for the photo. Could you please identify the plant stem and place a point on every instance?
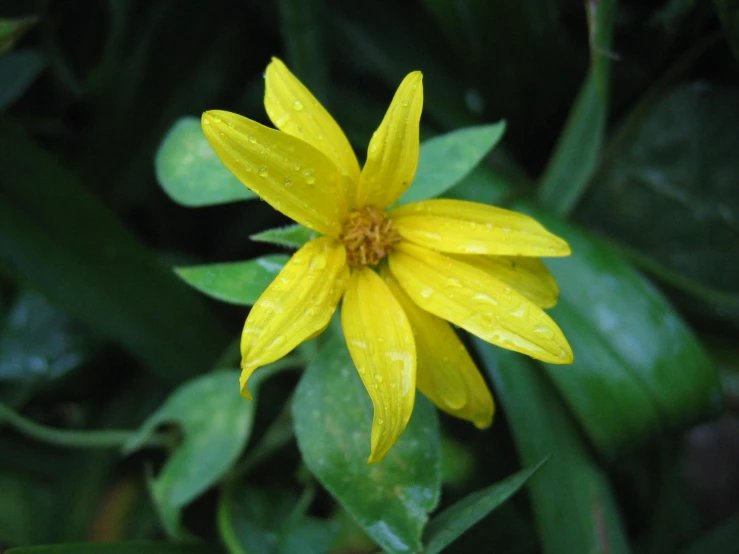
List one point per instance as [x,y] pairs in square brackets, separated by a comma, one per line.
[73,439]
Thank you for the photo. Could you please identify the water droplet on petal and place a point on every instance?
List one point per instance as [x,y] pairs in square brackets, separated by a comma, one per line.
[216,119]
[298,106]
[263,172]
[378,377]
[287,182]
[296,167]
[309,178]
[252,139]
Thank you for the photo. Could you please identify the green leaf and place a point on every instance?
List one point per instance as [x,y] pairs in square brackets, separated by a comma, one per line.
[292,236]
[447,159]
[18,71]
[449,525]
[216,422]
[61,240]
[191,173]
[271,521]
[638,368]
[24,507]
[578,150]
[239,283]
[13,29]
[728,12]
[672,182]
[573,504]
[333,419]
[39,342]
[133,547]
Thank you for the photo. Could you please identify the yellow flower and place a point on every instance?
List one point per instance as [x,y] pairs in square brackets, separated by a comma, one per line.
[401,271]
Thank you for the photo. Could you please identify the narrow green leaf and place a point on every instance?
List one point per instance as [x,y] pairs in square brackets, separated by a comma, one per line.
[40,343]
[333,419]
[66,244]
[578,149]
[449,525]
[133,547]
[18,71]
[190,172]
[652,372]
[13,29]
[216,422]
[271,521]
[447,159]
[728,12]
[292,236]
[302,24]
[239,283]
[573,504]
[23,508]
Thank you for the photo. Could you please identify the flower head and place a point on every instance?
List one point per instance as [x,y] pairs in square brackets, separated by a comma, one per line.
[401,271]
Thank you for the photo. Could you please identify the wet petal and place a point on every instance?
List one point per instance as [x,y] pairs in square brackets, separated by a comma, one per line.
[461,227]
[289,174]
[473,300]
[392,156]
[446,373]
[294,110]
[380,341]
[296,305]
[529,276]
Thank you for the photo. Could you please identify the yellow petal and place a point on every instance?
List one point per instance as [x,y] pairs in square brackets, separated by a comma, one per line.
[380,341]
[294,110]
[461,227]
[392,156]
[289,174]
[295,306]
[473,300]
[529,276]
[446,374]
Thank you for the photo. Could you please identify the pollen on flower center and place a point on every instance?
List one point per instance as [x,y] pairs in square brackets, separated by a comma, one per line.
[368,236]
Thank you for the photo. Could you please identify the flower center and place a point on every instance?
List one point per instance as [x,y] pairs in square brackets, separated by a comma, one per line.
[368,236]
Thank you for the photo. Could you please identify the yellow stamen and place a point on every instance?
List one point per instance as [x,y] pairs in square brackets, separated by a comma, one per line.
[368,236]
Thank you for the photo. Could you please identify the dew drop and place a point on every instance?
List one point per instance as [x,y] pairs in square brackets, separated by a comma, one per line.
[298,106]
[206,120]
[287,182]
[404,102]
[263,172]
[252,139]
[230,124]
[378,377]
[296,167]
[426,293]
[216,119]
[309,178]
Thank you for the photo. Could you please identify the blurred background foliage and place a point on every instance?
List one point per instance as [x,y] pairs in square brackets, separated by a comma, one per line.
[622,123]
